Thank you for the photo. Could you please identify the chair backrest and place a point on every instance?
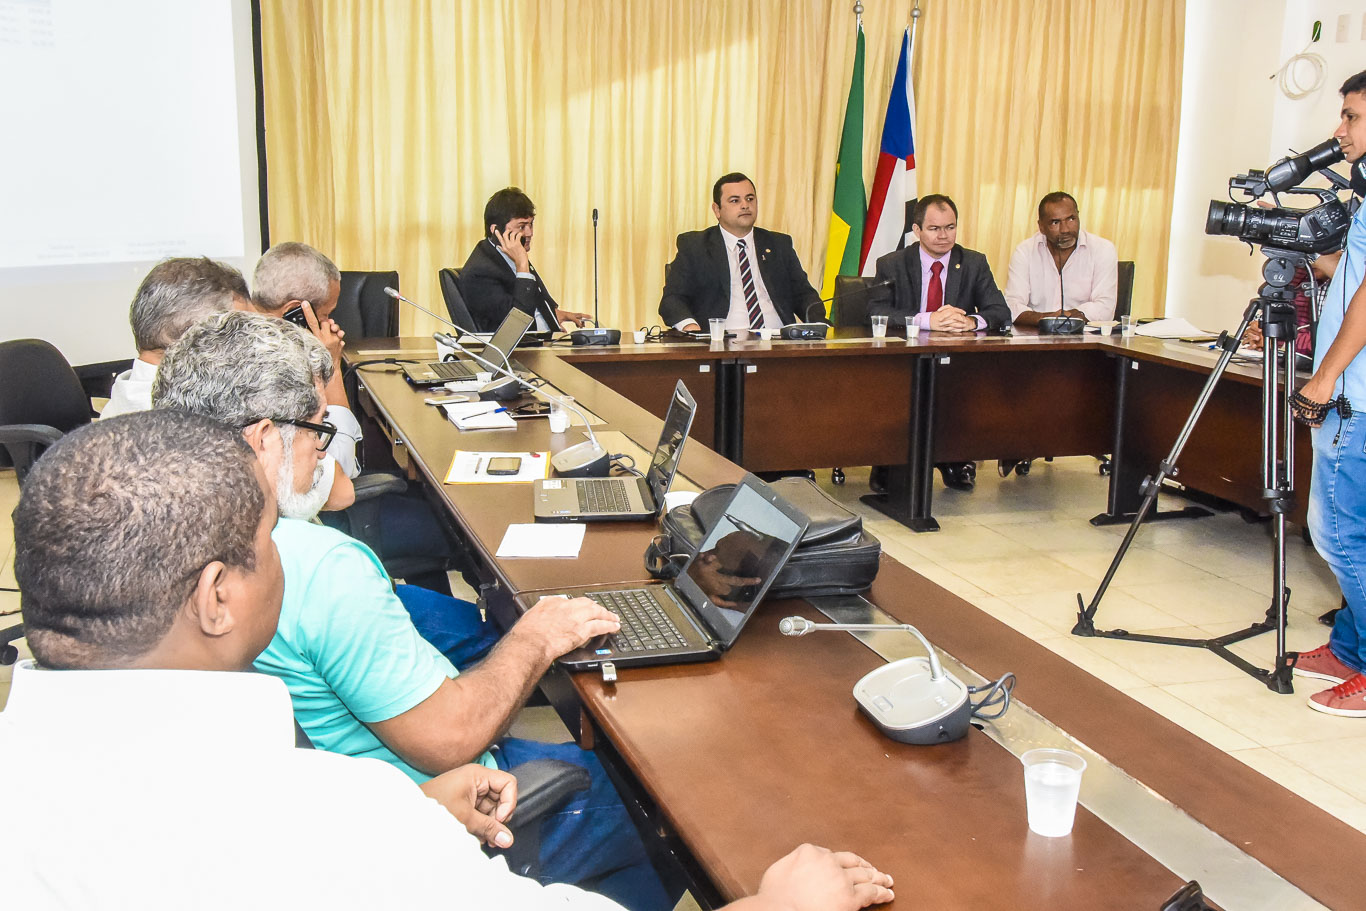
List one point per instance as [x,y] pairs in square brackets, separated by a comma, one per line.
[455,302]
[38,386]
[1124,300]
[363,309]
[850,306]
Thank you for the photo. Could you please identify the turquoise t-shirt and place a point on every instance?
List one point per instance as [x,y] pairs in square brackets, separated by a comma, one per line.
[346,647]
[1346,280]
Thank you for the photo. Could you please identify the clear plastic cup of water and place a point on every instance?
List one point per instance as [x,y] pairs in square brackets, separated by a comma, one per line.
[1126,326]
[718,330]
[912,329]
[880,326]
[1052,785]
[559,415]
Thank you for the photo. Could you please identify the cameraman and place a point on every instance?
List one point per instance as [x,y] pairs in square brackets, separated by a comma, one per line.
[1332,402]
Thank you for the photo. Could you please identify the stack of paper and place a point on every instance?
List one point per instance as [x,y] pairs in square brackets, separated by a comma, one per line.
[550,539]
[1173,327]
[473,467]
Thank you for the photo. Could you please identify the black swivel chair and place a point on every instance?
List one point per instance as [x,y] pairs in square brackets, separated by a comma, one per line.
[363,309]
[41,399]
[1124,301]
[455,301]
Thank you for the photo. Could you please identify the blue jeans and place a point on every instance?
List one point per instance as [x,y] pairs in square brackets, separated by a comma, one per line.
[1337,521]
[452,625]
[590,841]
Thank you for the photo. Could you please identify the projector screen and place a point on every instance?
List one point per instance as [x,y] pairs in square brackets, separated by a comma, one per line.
[130,136]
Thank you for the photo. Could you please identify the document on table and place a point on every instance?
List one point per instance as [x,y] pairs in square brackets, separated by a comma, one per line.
[549,539]
[472,467]
[479,416]
[1173,327]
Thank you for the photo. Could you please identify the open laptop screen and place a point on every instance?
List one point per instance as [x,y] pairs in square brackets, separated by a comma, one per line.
[740,557]
[508,334]
[677,423]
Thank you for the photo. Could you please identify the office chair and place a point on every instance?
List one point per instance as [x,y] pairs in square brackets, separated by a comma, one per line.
[455,301]
[849,308]
[41,399]
[543,786]
[363,309]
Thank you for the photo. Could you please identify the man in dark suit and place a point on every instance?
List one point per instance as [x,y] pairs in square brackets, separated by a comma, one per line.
[498,275]
[734,271]
[945,287]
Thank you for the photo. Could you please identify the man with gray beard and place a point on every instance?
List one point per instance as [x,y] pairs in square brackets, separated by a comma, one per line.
[362,679]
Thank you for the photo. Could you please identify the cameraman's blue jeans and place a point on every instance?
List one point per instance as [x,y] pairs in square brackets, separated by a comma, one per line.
[1337,521]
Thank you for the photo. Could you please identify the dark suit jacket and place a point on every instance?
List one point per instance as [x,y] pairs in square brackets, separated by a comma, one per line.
[491,289]
[697,284]
[968,285]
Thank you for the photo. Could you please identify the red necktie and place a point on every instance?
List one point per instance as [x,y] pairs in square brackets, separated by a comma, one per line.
[934,296]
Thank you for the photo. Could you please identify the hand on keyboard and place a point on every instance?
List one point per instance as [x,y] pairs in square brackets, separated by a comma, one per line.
[563,624]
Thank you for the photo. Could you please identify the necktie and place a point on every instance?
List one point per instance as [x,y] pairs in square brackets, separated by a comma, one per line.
[934,295]
[756,316]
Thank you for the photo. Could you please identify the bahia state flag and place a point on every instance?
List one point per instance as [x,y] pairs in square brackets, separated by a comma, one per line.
[846,218]
[894,191]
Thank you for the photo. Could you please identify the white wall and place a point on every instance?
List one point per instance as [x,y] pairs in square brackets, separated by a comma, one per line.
[1233,118]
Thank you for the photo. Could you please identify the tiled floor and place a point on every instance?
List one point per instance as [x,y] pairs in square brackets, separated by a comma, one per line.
[1021,549]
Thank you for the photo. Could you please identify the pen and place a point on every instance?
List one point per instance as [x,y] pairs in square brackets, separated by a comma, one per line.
[478,465]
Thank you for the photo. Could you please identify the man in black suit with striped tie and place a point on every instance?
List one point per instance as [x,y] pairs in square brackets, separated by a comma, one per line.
[734,271]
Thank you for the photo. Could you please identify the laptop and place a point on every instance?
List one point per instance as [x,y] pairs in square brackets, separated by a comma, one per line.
[699,615]
[504,339]
[605,499]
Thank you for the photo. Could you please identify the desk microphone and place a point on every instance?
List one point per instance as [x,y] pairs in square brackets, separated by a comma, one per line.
[440,319]
[596,322]
[912,700]
[582,460]
[1063,324]
[847,294]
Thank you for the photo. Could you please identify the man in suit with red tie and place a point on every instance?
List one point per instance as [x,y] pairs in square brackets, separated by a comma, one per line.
[945,287]
[734,271]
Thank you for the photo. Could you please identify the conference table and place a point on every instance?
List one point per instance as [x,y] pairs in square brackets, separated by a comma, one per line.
[728,765]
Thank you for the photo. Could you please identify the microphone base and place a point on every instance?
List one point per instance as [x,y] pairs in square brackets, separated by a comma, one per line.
[500,390]
[908,705]
[1061,325]
[595,336]
[804,331]
[582,460]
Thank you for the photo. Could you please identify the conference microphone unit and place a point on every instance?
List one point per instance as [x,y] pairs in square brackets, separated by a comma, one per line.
[596,321]
[582,460]
[813,328]
[913,700]
[1061,325]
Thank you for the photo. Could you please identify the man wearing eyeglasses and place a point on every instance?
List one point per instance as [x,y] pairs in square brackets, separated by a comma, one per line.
[363,680]
[944,287]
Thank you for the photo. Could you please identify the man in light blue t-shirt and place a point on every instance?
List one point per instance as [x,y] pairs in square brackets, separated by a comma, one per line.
[362,680]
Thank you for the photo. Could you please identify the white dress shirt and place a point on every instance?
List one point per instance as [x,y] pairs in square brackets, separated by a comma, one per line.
[133,392]
[738,315]
[922,317]
[1089,281]
[183,789]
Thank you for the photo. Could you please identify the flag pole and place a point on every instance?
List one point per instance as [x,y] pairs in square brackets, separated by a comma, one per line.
[858,13]
[915,20]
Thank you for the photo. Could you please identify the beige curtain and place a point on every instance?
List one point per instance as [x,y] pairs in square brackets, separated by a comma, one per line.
[389,124]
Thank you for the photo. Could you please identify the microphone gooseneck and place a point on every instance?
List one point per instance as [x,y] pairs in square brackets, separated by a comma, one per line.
[596,322]
[800,626]
[864,290]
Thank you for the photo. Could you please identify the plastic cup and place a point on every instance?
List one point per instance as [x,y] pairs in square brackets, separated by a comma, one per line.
[765,334]
[639,336]
[912,329]
[1126,326]
[880,326]
[1052,784]
[718,330]
[559,415]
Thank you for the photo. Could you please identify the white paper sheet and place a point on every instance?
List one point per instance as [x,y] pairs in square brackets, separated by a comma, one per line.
[470,467]
[479,416]
[544,539]
[1172,327]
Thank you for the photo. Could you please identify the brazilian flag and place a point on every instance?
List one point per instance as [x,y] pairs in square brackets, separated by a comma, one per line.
[851,207]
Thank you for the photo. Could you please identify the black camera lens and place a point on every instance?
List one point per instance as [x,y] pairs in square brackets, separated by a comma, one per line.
[1225,218]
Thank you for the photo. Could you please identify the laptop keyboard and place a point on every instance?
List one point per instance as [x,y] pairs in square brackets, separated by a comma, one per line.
[452,370]
[603,495]
[645,626]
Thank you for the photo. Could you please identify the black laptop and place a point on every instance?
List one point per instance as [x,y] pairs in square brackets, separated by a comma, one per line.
[496,351]
[699,615]
[604,499]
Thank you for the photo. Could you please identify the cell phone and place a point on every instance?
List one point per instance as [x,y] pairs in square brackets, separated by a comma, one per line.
[296,316]
[503,465]
[530,410]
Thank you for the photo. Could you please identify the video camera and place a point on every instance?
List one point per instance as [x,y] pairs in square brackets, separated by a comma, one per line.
[1321,229]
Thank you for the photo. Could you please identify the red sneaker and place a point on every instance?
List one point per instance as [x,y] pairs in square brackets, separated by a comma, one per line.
[1322,664]
[1346,699]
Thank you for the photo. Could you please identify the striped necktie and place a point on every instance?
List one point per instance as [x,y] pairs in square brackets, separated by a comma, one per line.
[756,316]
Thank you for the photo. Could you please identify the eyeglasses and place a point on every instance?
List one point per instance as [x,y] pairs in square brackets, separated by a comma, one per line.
[324,431]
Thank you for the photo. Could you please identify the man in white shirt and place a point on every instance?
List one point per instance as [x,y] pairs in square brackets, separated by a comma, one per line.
[156,776]
[734,271]
[1062,270]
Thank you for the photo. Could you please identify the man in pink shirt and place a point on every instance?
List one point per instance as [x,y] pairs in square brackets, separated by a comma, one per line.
[1062,270]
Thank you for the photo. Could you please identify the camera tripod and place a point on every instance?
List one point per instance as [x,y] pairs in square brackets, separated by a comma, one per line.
[1274,310]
